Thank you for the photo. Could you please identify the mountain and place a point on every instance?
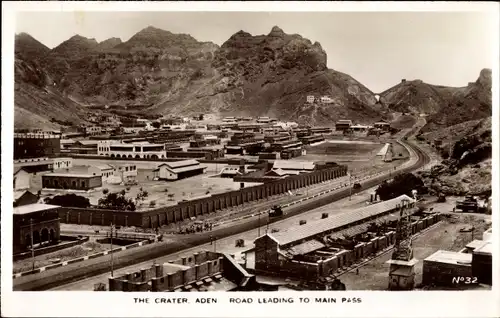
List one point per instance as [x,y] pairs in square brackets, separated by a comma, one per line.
[176,74]
[108,44]
[445,106]
[28,47]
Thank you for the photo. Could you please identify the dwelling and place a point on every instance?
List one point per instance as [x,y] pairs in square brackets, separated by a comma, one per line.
[39,220]
[309,250]
[22,179]
[116,149]
[71,181]
[126,174]
[320,130]
[201,272]
[36,145]
[385,126]
[441,267]
[84,147]
[280,173]
[67,143]
[285,145]
[326,100]
[264,120]
[104,170]
[310,99]
[92,130]
[307,140]
[343,124]
[179,170]
[297,166]
[35,165]
[24,198]
[230,119]
[360,128]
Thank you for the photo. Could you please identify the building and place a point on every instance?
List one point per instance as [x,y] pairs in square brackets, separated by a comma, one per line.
[67,143]
[360,128]
[230,119]
[87,147]
[232,171]
[177,170]
[22,179]
[313,250]
[442,267]
[385,126]
[298,166]
[307,140]
[24,198]
[264,120]
[36,145]
[200,272]
[116,149]
[320,130]
[34,165]
[126,174]
[40,219]
[310,99]
[482,263]
[343,124]
[104,170]
[286,145]
[326,100]
[92,130]
[71,181]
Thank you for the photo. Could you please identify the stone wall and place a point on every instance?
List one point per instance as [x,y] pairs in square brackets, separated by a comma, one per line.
[183,210]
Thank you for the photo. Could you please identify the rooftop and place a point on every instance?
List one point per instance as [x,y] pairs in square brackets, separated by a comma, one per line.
[336,221]
[484,249]
[69,175]
[35,207]
[293,165]
[449,257]
[180,163]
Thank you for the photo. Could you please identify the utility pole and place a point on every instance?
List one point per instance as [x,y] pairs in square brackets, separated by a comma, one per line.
[258,228]
[350,188]
[215,244]
[111,237]
[32,244]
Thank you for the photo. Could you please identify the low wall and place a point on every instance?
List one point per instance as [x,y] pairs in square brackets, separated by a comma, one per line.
[53,248]
[183,210]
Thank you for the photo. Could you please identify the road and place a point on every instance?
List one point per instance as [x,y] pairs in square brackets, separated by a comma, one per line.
[124,259]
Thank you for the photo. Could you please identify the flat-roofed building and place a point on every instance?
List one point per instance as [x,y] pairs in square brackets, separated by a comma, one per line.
[482,263]
[177,170]
[343,124]
[39,220]
[264,120]
[71,181]
[135,150]
[300,166]
[36,145]
[442,267]
[382,125]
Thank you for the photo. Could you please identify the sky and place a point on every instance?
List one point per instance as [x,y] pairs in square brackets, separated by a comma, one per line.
[376,48]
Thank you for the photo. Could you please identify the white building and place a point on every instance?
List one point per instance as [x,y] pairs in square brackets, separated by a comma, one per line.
[326,99]
[116,149]
[22,179]
[126,173]
[178,170]
[310,99]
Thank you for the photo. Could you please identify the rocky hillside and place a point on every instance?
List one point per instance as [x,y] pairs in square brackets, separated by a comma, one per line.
[445,106]
[174,73]
[466,150]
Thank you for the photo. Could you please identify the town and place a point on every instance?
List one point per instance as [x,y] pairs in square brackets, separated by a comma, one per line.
[255,197]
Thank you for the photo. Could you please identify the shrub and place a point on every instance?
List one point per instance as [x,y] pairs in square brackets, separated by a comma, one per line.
[152,204]
[116,201]
[69,200]
[401,184]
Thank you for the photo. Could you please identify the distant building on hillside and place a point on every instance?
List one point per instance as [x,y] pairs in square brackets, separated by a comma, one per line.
[310,99]
[326,100]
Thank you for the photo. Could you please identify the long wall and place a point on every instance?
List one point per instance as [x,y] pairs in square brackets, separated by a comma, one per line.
[183,210]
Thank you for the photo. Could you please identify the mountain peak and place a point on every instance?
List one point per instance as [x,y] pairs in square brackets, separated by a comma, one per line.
[75,45]
[152,37]
[276,32]
[29,47]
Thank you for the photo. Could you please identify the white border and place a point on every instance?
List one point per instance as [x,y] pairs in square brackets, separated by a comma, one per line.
[376,304]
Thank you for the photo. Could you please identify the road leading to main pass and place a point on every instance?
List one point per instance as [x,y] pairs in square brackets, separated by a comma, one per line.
[93,267]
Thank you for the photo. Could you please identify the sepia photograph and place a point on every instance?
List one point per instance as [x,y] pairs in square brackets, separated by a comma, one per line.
[251,151]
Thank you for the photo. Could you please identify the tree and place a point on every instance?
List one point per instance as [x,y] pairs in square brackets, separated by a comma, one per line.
[401,184]
[69,200]
[116,201]
[141,196]
[152,204]
[105,191]
[156,124]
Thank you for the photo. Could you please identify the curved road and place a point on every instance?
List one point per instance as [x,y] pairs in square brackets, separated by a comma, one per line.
[93,267]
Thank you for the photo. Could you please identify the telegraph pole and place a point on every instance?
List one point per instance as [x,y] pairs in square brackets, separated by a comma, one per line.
[258,228]
[32,244]
[350,188]
[111,238]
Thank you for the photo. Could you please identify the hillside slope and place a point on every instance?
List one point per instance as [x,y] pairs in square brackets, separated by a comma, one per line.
[445,106]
